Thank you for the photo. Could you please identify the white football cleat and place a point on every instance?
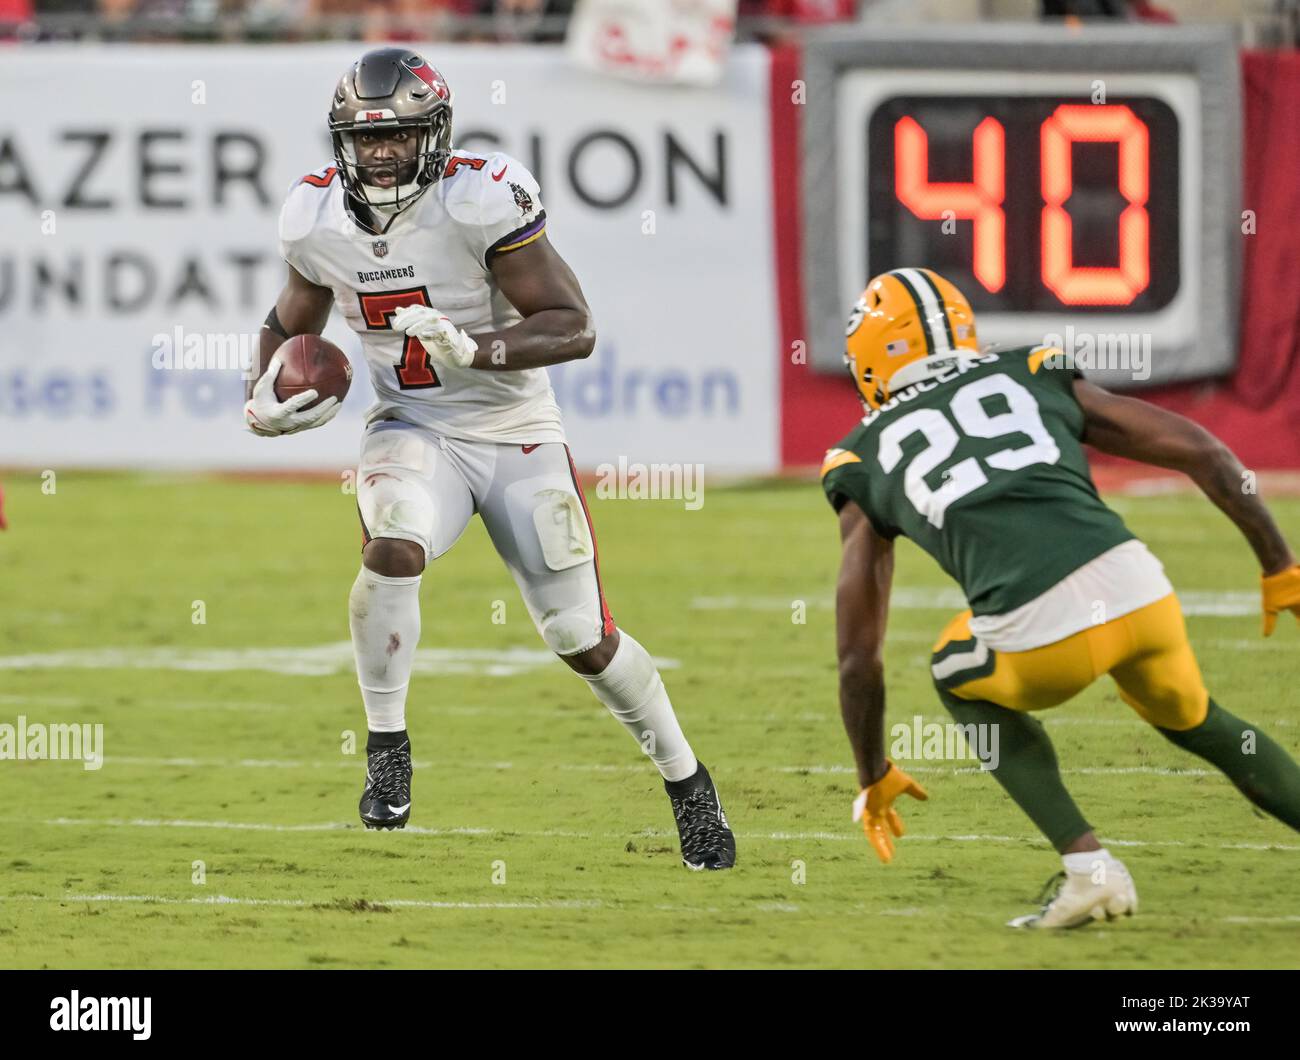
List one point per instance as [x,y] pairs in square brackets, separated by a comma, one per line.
[1104,892]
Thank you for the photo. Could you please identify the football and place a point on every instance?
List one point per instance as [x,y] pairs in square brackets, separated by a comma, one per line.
[312,363]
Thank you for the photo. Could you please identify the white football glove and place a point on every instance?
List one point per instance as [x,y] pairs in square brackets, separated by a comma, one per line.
[447,344]
[268,416]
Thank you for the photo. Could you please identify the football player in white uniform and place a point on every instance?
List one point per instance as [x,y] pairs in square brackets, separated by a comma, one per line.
[439,260]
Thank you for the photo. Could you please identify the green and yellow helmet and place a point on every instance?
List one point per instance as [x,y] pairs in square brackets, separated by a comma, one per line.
[909,325]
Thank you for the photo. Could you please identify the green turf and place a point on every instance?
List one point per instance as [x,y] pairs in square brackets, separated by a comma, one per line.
[527,774]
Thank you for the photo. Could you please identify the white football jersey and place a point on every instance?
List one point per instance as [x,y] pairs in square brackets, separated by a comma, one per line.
[437,253]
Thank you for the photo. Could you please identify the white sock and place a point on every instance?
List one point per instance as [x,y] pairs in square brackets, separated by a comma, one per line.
[384,615]
[630,686]
[1085,861]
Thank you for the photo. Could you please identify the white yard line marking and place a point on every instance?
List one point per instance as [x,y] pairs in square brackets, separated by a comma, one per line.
[837,769]
[322,660]
[850,835]
[284,763]
[1101,771]
[580,708]
[301,903]
[1109,840]
[1194,601]
[141,822]
[327,826]
[105,702]
[585,905]
[553,713]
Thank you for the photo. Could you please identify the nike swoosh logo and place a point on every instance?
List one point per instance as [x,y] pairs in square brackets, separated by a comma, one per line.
[498,176]
[398,809]
[529,448]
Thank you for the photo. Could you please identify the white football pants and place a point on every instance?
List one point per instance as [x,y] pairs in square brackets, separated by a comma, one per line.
[420,486]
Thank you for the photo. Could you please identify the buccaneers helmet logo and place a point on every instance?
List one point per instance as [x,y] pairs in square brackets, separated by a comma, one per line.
[522,199]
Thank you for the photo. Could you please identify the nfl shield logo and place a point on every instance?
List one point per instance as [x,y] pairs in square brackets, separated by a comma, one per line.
[380,247]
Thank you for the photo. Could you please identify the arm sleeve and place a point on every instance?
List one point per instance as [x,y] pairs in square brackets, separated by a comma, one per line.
[1053,367]
[844,486]
[844,479]
[837,498]
[834,477]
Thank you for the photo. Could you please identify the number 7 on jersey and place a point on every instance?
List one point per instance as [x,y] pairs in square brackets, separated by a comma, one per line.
[413,371]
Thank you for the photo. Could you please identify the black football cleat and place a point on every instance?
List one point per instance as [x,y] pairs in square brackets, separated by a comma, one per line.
[386,800]
[707,841]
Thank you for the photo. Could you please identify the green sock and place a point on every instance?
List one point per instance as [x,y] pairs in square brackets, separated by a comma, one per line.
[1261,770]
[1027,767]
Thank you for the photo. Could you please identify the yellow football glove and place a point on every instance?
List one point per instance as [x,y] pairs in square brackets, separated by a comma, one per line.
[1281,593]
[874,807]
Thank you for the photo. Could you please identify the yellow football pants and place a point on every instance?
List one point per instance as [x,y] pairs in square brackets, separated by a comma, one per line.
[1146,652]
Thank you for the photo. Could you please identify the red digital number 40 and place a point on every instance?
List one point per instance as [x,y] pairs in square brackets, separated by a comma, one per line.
[980,200]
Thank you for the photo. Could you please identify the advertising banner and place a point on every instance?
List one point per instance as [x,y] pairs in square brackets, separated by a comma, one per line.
[139,204]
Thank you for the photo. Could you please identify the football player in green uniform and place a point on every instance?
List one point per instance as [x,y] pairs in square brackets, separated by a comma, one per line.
[978,458]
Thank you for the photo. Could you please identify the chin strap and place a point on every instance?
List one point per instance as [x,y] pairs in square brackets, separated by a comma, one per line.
[399,191]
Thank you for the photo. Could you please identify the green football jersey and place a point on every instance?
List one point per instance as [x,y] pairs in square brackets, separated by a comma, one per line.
[984,469]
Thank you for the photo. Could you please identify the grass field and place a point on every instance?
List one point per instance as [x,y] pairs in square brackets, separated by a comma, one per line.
[540,835]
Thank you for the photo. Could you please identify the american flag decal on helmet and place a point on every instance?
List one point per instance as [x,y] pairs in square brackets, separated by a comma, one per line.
[426,73]
[897,347]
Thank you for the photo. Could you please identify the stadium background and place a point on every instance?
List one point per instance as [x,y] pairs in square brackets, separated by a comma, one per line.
[139,201]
